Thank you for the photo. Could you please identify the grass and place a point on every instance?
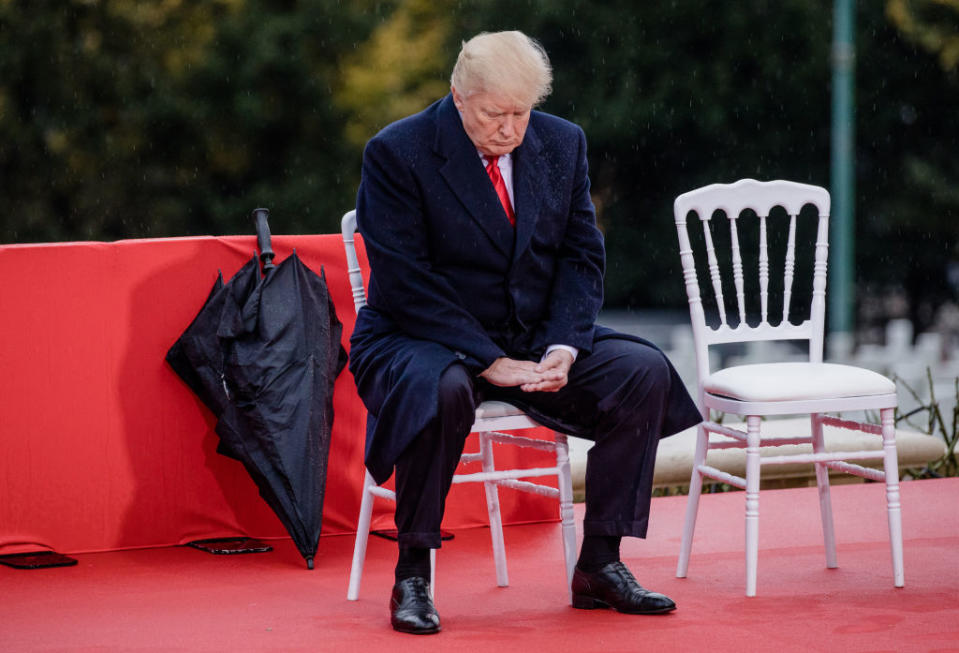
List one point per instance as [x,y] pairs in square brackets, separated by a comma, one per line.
[934,424]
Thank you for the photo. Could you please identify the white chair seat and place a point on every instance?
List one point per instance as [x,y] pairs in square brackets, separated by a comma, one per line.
[796,381]
[491,409]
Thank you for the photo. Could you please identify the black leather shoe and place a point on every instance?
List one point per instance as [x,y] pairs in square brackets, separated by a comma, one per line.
[411,608]
[614,586]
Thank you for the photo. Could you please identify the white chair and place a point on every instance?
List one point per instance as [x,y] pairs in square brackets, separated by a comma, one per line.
[769,389]
[492,418]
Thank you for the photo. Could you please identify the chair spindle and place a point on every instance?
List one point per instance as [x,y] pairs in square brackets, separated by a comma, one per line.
[789,268]
[737,267]
[714,269]
[763,270]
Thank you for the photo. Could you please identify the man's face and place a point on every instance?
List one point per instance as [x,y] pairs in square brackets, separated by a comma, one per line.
[495,123]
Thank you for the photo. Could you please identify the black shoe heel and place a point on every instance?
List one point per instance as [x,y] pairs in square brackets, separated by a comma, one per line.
[585,602]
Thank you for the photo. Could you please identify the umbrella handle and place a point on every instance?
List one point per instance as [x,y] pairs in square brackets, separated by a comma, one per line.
[263,238]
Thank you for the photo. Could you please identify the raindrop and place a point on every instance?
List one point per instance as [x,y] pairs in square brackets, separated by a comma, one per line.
[908,114]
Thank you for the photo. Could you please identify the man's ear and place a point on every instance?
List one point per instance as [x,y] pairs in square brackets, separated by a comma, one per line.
[457,98]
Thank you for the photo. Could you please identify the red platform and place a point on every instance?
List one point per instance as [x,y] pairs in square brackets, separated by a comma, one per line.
[180,599]
[104,449]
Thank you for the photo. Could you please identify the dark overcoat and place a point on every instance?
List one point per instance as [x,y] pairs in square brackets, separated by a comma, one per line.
[452,280]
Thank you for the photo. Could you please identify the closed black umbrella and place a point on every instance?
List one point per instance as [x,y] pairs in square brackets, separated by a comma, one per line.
[263,355]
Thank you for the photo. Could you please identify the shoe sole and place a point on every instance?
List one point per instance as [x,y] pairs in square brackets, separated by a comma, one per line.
[581,602]
[400,628]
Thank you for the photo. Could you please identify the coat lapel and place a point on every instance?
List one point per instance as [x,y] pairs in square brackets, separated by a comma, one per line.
[464,173]
[528,185]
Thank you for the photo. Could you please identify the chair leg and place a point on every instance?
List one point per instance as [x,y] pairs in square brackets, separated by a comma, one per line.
[495,518]
[692,502]
[891,468]
[825,502]
[752,502]
[362,535]
[565,485]
[432,573]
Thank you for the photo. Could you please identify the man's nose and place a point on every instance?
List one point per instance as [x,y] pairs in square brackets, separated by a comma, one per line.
[507,125]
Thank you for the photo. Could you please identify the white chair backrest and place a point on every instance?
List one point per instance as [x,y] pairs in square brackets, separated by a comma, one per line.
[348,226]
[761,198]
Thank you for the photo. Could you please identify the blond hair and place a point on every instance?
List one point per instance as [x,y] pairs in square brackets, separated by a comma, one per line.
[507,63]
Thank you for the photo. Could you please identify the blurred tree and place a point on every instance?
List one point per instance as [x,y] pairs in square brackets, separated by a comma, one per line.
[127,119]
[121,118]
[933,24]
[402,68]
[907,163]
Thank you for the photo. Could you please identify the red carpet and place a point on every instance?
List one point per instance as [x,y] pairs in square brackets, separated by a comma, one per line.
[180,599]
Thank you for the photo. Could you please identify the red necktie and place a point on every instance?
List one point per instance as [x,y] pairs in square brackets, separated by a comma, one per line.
[492,169]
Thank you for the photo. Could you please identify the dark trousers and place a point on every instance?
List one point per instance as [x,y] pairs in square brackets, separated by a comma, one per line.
[618,393]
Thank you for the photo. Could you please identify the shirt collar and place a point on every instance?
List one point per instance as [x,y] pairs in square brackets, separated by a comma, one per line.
[502,157]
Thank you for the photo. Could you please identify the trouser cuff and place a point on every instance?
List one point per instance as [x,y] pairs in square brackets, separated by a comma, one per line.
[420,540]
[620,528]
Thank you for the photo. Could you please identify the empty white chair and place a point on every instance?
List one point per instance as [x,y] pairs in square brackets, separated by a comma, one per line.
[492,419]
[740,213]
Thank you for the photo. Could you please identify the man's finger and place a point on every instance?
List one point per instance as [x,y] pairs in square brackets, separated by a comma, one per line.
[549,385]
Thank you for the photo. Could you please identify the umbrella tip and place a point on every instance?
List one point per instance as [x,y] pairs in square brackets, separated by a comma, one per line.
[309,563]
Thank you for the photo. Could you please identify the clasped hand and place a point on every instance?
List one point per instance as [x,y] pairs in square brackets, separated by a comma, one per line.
[549,375]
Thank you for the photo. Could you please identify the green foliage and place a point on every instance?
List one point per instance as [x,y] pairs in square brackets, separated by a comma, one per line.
[908,171]
[934,24]
[128,119]
[397,71]
[121,118]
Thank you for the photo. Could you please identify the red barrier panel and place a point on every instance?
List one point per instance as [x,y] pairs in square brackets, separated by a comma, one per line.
[103,447]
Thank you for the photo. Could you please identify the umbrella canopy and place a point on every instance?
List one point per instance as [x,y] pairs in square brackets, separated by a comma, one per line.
[263,355]
[197,356]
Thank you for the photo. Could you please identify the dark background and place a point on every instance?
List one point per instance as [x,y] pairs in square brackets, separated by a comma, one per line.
[126,119]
